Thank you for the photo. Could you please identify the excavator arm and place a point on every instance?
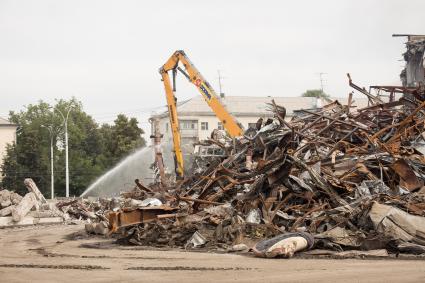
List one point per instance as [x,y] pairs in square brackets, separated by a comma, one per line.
[195,77]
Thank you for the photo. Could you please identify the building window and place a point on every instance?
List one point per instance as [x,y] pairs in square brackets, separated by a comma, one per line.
[220,126]
[252,126]
[189,124]
[204,126]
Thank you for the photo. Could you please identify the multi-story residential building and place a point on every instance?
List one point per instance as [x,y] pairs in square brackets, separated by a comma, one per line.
[197,120]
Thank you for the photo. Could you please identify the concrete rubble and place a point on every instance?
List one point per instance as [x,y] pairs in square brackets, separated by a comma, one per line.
[333,181]
[339,180]
[33,208]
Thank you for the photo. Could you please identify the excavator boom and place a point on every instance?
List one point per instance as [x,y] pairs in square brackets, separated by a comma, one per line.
[194,76]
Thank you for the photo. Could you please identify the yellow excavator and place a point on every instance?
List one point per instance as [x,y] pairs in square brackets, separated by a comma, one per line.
[194,76]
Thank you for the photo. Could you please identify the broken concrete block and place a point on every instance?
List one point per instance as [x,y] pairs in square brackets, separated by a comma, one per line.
[7,211]
[8,198]
[45,213]
[8,221]
[28,220]
[32,187]
[15,198]
[89,227]
[22,209]
[101,228]
[5,203]
[4,195]
[5,198]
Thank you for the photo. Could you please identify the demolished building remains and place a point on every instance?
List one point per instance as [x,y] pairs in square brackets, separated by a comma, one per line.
[351,179]
[342,180]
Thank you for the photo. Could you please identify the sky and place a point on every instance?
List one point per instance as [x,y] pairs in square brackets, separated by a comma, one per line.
[107,53]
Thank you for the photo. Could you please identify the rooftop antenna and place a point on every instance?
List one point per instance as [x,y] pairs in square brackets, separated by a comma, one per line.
[321,80]
[219,84]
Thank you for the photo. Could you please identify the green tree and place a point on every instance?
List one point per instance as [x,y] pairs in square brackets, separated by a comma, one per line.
[92,149]
[122,138]
[315,93]
[29,157]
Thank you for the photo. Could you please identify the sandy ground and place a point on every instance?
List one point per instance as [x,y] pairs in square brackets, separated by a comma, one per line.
[46,254]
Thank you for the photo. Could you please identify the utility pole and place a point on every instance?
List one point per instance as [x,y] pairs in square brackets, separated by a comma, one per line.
[52,174]
[65,121]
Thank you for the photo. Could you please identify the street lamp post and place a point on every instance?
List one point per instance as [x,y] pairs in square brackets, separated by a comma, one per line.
[52,176]
[65,120]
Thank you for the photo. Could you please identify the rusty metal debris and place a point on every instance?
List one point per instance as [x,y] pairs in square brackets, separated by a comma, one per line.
[346,176]
[413,74]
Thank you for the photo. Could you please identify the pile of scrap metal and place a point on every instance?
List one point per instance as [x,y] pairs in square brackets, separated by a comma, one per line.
[413,74]
[89,211]
[93,211]
[30,209]
[352,178]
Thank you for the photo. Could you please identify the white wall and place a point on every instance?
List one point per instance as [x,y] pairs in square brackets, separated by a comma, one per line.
[202,134]
[7,136]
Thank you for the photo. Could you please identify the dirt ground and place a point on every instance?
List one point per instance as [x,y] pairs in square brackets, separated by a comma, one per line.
[48,254]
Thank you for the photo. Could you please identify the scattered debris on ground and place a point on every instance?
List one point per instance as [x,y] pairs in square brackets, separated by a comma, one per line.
[33,208]
[334,180]
[351,179]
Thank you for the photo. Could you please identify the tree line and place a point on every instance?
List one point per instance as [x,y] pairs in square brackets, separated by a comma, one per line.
[93,148]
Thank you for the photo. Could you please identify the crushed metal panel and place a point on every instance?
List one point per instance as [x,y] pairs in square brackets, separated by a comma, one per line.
[398,224]
[126,218]
[408,179]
